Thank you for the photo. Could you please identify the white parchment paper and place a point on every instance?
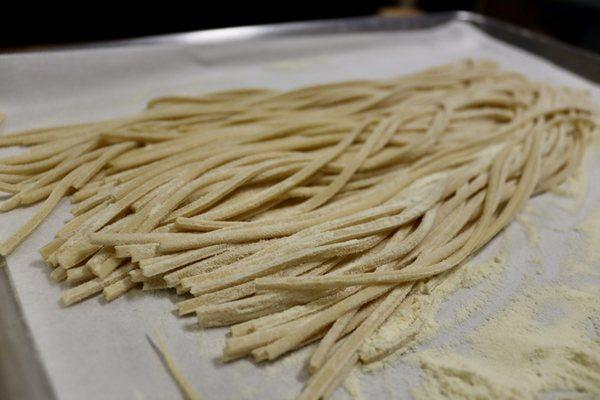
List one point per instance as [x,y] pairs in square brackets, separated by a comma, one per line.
[97,350]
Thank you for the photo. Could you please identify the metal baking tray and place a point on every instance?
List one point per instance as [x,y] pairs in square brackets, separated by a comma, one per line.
[23,376]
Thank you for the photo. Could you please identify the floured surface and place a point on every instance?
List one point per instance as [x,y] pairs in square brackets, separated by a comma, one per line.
[98,350]
[492,341]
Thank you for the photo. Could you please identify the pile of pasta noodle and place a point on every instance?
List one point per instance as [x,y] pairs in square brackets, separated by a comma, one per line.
[297,216]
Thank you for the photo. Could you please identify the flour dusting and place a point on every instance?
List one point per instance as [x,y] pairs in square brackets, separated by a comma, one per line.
[545,340]
[518,355]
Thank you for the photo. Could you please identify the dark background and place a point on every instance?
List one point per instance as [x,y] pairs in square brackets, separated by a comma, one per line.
[31,25]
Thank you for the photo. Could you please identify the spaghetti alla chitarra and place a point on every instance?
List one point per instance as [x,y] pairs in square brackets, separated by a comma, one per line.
[299,216]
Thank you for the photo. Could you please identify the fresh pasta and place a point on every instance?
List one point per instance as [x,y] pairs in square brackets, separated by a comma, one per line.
[297,216]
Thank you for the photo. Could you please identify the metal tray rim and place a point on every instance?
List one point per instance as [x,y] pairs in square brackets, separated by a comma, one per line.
[323,26]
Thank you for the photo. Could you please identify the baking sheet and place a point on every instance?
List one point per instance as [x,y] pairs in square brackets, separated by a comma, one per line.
[99,350]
